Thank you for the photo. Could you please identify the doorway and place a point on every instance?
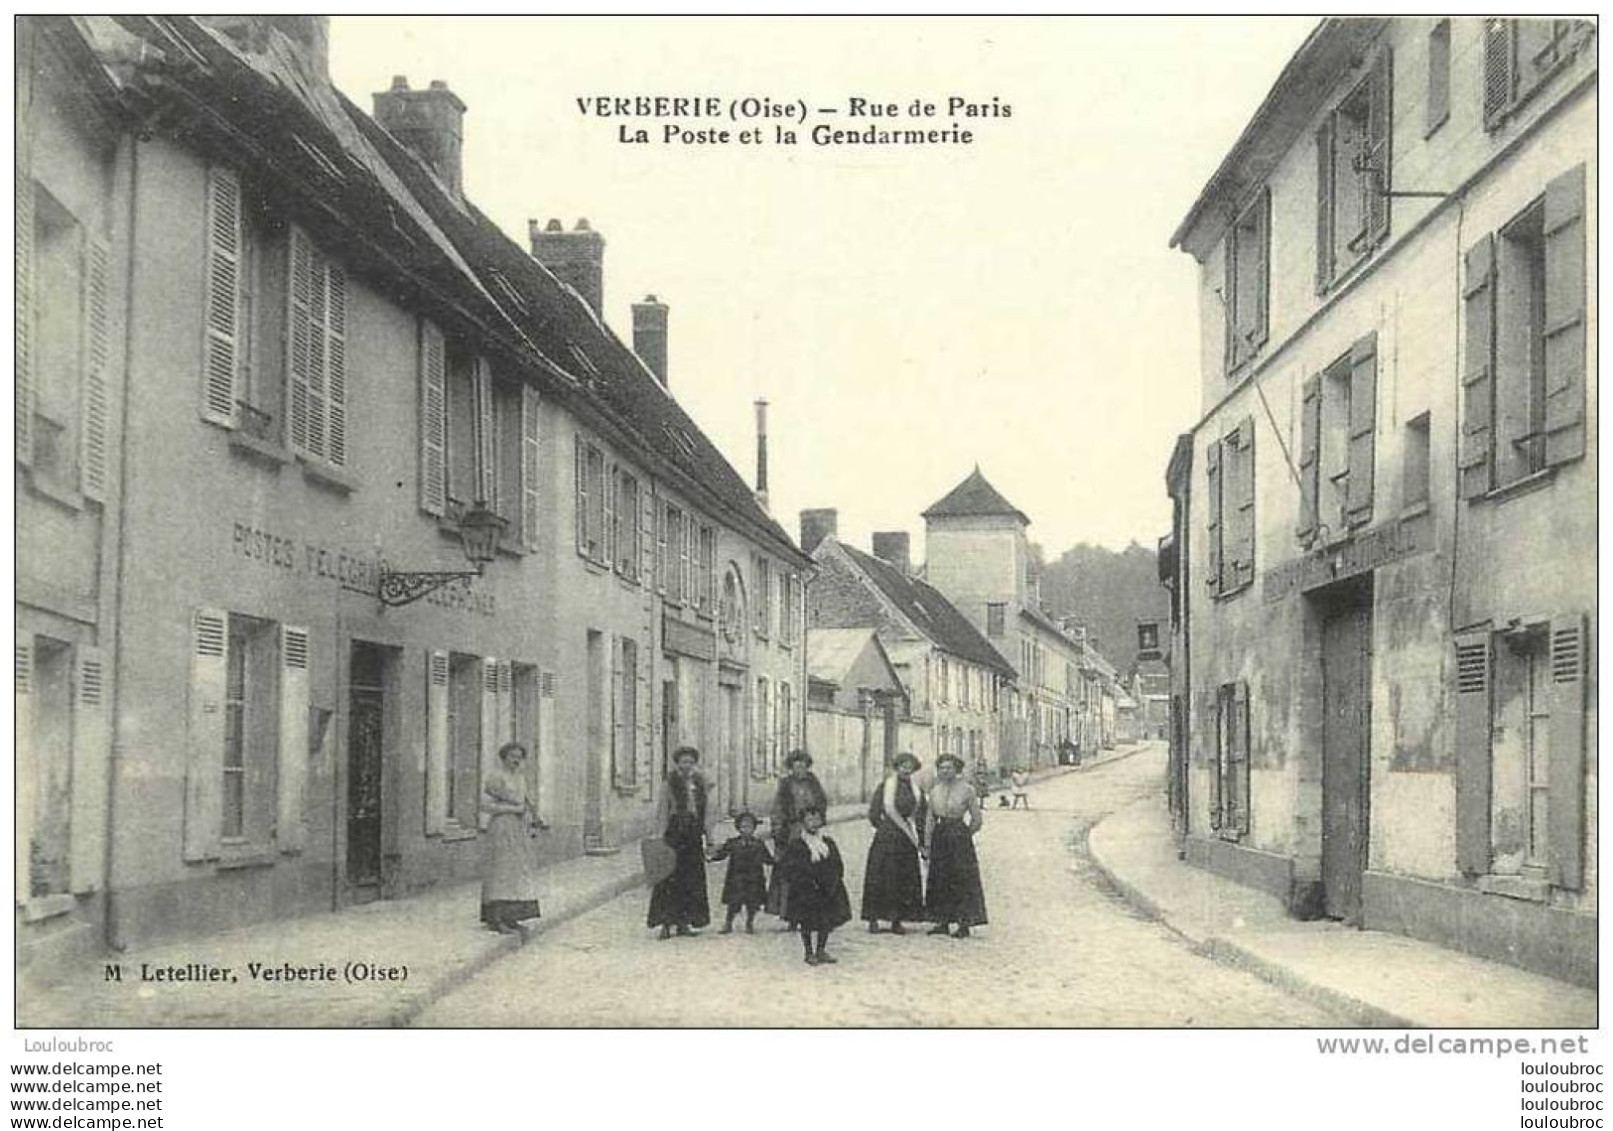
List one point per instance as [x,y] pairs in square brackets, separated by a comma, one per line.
[1346,732]
[366,745]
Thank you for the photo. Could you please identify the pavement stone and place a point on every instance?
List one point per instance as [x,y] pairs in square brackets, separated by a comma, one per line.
[1370,977]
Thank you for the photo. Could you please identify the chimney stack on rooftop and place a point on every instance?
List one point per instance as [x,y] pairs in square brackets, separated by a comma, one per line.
[761,452]
[430,123]
[816,525]
[576,258]
[894,547]
[649,335]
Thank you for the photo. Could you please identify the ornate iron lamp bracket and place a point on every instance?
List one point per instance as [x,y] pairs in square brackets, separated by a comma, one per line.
[406,588]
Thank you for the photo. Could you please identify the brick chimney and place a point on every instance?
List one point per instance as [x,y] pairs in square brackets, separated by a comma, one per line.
[430,123]
[649,335]
[761,453]
[816,525]
[576,258]
[894,547]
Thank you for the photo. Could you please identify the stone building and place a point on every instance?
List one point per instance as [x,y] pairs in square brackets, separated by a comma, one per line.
[855,706]
[1383,602]
[954,682]
[273,365]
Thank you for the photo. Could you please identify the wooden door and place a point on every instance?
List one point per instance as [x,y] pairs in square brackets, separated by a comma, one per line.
[1346,668]
[365,765]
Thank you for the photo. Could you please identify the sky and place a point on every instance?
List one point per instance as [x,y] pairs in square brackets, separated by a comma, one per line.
[907,312]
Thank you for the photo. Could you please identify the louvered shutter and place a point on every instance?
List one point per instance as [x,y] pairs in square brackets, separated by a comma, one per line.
[436,762]
[433,420]
[1244,562]
[1324,205]
[1212,467]
[545,753]
[335,291]
[644,739]
[1235,345]
[304,354]
[1473,753]
[95,404]
[506,702]
[221,344]
[204,763]
[24,331]
[687,535]
[621,768]
[22,729]
[1478,368]
[91,735]
[581,460]
[490,731]
[646,546]
[1243,739]
[1499,72]
[1363,428]
[1310,463]
[529,467]
[1565,773]
[1218,763]
[1378,181]
[1565,317]
[487,485]
[1262,251]
[610,534]
[291,819]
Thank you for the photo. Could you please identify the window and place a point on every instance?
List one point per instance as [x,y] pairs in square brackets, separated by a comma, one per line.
[762,586]
[1230,470]
[591,504]
[1520,751]
[761,730]
[1414,463]
[1523,405]
[1337,445]
[249,728]
[1353,176]
[1248,281]
[1439,77]
[705,572]
[941,692]
[629,539]
[788,628]
[1229,794]
[786,720]
[996,614]
[316,354]
[624,715]
[1520,55]
[465,684]
[44,677]
[674,550]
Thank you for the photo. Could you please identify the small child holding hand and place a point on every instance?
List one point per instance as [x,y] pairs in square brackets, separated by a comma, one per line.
[745,885]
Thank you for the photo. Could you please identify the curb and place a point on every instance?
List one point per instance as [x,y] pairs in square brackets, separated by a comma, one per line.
[403,1015]
[1227,952]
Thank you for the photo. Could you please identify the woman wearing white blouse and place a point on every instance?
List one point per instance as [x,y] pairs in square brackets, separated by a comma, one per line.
[954,894]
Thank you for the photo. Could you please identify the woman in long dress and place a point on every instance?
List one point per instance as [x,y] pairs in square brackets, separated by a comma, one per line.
[798,791]
[510,891]
[680,902]
[893,888]
[955,894]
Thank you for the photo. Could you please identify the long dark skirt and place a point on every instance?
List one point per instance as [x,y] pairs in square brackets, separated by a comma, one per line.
[892,886]
[778,885]
[680,900]
[955,894]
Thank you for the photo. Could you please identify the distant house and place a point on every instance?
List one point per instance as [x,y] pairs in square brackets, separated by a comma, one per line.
[855,702]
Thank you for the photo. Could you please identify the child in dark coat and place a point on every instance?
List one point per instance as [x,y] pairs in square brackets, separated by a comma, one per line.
[745,885]
[816,875]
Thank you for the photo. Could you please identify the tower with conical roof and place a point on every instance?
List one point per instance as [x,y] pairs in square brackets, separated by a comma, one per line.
[977,555]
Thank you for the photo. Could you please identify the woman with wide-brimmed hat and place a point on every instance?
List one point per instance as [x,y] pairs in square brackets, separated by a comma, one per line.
[798,791]
[680,902]
[955,894]
[510,890]
[893,886]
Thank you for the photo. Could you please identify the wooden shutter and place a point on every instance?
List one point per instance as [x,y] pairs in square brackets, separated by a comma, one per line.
[644,739]
[689,533]
[204,763]
[1498,69]
[24,331]
[221,343]
[1212,467]
[621,769]
[436,767]
[1565,317]
[646,537]
[1478,369]
[581,460]
[530,470]
[1324,205]
[291,820]
[545,753]
[1310,462]
[1377,181]
[1243,562]
[1218,761]
[335,291]
[1363,426]
[1245,798]
[22,728]
[304,355]
[1473,753]
[95,407]
[490,731]
[486,436]
[608,537]
[506,701]
[1262,250]
[91,739]
[1229,299]
[1566,770]
[433,420]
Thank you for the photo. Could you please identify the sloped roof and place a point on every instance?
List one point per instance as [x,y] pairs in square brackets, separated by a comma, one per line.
[974,497]
[357,188]
[833,652]
[931,613]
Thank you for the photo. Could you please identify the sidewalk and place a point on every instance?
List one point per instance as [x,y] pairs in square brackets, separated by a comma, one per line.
[1368,977]
[435,936]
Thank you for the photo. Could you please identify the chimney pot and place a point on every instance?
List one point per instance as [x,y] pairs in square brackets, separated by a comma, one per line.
[816,525]
[555,226]
[582,225]
[438,84]
[400,82]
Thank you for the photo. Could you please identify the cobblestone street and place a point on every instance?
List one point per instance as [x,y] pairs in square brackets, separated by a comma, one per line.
[1061,950]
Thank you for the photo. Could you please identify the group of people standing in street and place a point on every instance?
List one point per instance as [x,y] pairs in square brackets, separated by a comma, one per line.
[807,886]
